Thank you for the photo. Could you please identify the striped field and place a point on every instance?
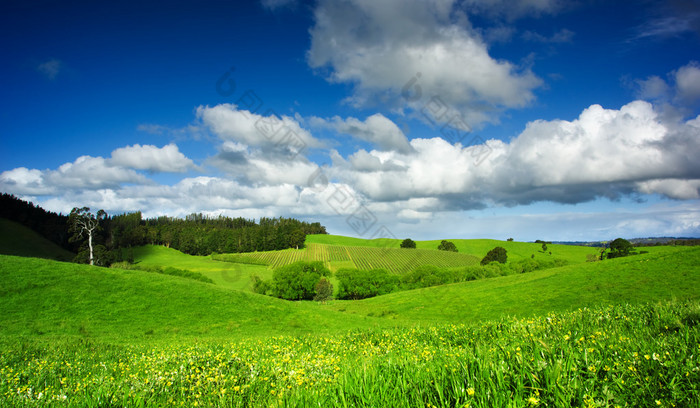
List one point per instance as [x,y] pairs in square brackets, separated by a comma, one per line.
[394,260]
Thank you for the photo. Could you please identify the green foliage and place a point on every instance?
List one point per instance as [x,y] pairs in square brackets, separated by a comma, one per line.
[447,246]
[620,247]
[165,270]
[622,355]
[362,284]
[544,247]
[408,243]
[324,290]
[498,254]
[260,286]
[428,275]
[298,281]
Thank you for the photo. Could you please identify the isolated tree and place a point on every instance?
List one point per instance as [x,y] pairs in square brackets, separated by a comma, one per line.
[498,254]
[82,223]
[447,246]
[510,239]
[544,247]
[408,243]
[324,290]
[620,247]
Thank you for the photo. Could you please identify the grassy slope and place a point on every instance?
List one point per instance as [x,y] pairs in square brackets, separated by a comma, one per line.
[667,273]
[476,247]
[48,299]
[225,274]
[16,239]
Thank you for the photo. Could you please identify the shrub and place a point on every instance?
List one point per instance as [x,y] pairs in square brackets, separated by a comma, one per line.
[297,281]
[428,275]
[447,246]
[357,284]
[260,286]
[408,243]
[620,247]
[498,254]
[324,290]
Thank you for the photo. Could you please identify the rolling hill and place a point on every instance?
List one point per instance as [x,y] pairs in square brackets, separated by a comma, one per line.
[16,239]
[669,273]
[47,299]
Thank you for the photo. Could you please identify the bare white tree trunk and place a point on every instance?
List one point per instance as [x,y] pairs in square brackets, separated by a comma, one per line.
[92,262]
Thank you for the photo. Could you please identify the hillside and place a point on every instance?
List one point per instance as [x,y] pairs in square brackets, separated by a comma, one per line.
[16,239]
[669,273]
[225,274]
[47,299]
[394,260]
[473,247]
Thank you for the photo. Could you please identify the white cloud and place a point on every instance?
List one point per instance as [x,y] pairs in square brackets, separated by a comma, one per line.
[50,68]
[603,153]
[380,46]
[95,173]
[652,88]
[267,131]
[687,80]
[148,157]
[376,129]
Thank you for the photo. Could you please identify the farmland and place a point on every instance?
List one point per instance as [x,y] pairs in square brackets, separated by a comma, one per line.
[394,260]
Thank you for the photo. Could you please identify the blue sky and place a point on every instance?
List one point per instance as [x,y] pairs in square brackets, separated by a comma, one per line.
[425,119]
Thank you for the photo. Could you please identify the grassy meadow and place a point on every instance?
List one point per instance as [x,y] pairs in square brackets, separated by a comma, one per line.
[623,332]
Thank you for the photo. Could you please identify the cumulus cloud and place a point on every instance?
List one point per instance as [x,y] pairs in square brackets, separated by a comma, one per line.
[267,131]
[379,47]
[85,172]
[94,173]
[603,153]
[148,157]
[681,89]
[376,129]
[687,80]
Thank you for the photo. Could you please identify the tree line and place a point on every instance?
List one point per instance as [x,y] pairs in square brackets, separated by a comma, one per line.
[196,234]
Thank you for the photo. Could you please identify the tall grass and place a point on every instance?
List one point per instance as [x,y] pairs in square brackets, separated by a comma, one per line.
[624,355]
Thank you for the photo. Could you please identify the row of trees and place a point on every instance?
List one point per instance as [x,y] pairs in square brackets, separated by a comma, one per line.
[101,239]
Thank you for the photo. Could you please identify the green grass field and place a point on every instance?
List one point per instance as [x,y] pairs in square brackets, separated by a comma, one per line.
[16,239]
[672,273]
[225,274]
[473,247]
[621,332]
[44,299]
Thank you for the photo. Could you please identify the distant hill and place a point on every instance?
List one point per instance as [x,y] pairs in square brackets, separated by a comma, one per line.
[44,298]
[474,247]
[634,241]
[16,239]
[662,274]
